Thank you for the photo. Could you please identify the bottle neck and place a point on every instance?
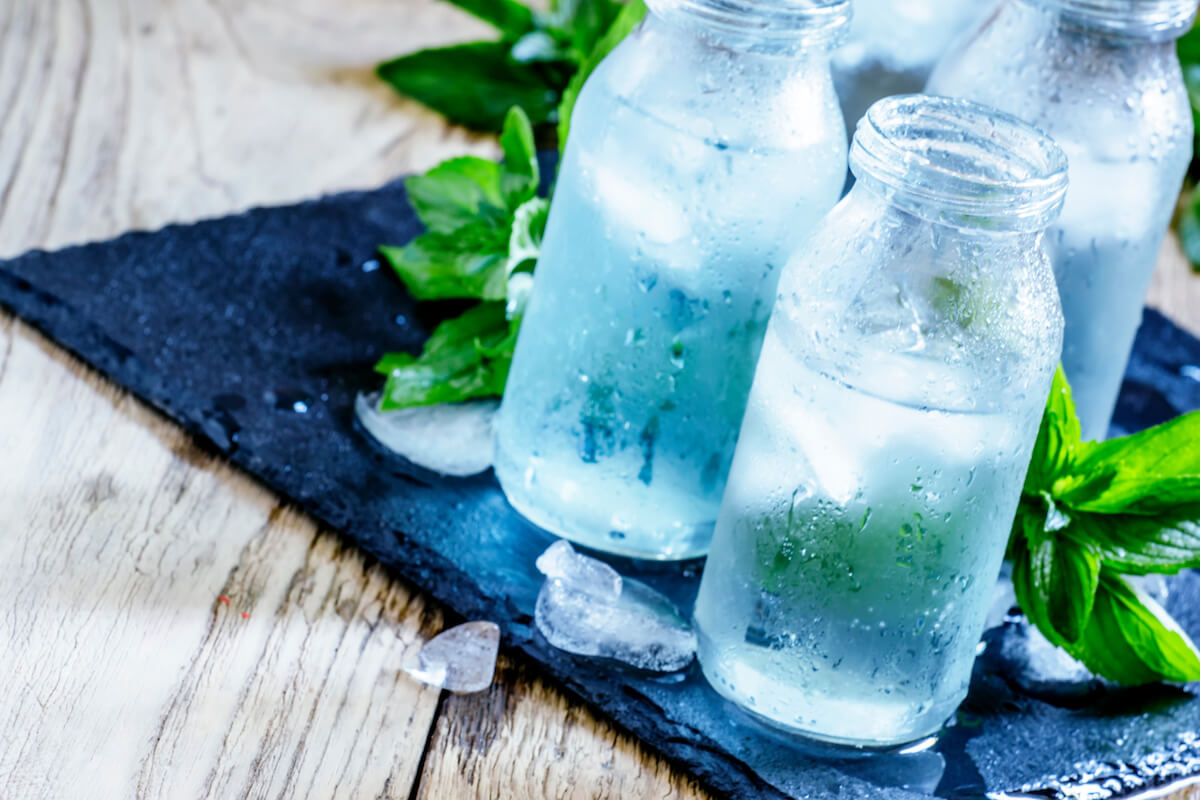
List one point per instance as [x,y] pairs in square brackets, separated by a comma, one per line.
[1126,22]
[767,27]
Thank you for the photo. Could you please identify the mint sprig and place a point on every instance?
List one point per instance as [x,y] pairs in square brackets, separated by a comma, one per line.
[1092,512]
[484,224]
[530,65]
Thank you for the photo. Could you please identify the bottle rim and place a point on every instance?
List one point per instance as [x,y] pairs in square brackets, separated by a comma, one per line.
[1157,20]
[768,22]
[960,163]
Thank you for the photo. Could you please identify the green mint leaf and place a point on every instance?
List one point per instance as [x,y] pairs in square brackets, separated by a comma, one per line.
[1132,640]
[1057,437]
[524,247]
[474,84]
[590,22]
[1064,577]
[1137,545]
[512,18]
[519,176]
[458,192]
[466,263]
[1152,472]
[630,16]
[465,358]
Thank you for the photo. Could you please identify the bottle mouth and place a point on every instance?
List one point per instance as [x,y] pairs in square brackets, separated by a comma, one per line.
[765,23]
[960,163]
[1157,20]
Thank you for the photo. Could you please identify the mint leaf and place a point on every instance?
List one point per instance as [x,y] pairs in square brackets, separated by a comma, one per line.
[458,192]
[524,247]
[467,263]
[520,175]
[1057,437]
[1137,545]
[1059,577]
[1132,640]
[630,15]
[1065,576]
[475,84]
[465,358]
[1151,472]
[512,18]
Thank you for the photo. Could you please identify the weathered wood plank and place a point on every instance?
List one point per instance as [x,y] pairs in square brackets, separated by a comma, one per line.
[128,675]
[521,739]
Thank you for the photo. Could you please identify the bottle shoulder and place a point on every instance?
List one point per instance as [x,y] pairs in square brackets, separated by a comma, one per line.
[660,76]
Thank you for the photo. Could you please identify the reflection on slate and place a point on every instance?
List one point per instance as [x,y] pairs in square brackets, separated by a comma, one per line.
[254,332]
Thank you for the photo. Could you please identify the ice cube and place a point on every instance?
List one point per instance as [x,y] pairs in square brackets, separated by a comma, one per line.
[586,608]
[450,439]
[585,575]
[460,660]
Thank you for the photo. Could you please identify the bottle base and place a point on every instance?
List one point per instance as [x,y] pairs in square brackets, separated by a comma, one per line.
[820,741]
[686,542]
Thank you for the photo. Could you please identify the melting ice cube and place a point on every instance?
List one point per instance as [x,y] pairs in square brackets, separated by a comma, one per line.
[586,608]
[451,438]
[460,660]
[582,574]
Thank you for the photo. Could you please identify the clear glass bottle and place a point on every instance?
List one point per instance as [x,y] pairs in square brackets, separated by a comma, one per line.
[893,45]
[888,432]
[702,150]
[1103,78]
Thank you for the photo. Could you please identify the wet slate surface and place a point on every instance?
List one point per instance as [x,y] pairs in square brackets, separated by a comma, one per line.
[255,332]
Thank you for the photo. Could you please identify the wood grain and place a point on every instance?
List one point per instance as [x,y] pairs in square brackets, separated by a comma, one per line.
[128,677]
[521,739]
[126,674]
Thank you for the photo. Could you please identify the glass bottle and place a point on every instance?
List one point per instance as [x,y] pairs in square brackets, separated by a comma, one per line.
[892,46]
[702,150]
[1103,78]
[888,432]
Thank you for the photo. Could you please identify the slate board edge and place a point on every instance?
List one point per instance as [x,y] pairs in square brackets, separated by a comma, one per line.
[54,319]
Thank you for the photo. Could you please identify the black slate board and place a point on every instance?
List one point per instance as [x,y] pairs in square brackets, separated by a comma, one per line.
[255,332]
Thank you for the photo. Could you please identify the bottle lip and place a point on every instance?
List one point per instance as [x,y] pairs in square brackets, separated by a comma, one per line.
[960,163]
[1157,20]
[780,23]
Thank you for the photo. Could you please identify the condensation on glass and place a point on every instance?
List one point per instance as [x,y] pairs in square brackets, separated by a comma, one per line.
[704,148]
[1102,77]
[888,432]
[893,45]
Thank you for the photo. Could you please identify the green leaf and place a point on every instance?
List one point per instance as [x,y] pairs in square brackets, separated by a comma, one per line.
[474,84]
[519,178]
[512,18]
[630,15]
[1057,437]
[1128,638]
[1064,579]
[458,192]
[1132,640]
[465,358]
[1137,545]
[1152,472]
[466,263]
[524,247]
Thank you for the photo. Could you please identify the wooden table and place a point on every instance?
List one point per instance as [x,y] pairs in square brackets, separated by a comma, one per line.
[125,675]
